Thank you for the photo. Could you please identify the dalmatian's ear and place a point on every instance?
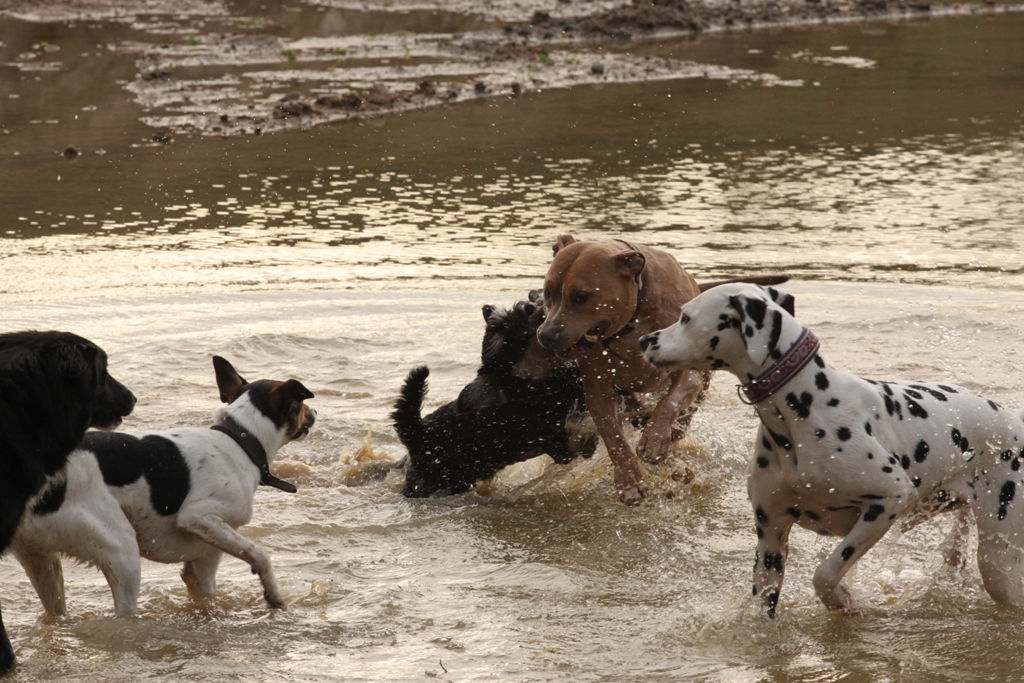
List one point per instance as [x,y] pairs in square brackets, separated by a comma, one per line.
[787,301]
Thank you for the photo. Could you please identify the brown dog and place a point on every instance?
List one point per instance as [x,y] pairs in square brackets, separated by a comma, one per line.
[601,297]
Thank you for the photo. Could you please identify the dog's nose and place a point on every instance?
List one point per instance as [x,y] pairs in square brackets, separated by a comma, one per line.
[548,336]
[647,340]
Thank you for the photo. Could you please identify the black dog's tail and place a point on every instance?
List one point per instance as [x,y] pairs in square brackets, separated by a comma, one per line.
[763,280]
[406,416]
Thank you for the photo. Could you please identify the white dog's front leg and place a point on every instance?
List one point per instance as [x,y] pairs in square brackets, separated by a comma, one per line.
[218,533]
[875,520]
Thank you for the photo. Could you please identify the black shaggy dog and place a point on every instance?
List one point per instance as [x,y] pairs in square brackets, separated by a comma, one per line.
[523,403]
[53,387]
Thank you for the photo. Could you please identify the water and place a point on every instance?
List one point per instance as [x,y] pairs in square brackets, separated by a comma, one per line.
[345,255]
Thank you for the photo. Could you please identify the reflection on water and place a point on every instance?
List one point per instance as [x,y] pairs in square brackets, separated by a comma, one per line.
[345,256]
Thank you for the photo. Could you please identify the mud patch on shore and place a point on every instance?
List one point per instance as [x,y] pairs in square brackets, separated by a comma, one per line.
[213,73]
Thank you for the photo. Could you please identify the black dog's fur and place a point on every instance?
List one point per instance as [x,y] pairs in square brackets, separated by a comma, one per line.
[523,403]
[53,386]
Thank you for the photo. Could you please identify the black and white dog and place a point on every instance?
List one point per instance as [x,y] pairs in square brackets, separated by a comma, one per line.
[523,403]
[53,386]
[847,456]
[174,496]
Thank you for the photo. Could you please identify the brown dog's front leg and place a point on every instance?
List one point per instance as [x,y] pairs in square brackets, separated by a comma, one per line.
[602,407]
[686,384]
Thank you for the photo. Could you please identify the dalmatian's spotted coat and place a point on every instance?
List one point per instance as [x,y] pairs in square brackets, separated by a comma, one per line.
[847,456]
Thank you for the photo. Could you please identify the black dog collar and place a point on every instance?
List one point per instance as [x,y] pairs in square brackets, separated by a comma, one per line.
[254,449]
[782,370]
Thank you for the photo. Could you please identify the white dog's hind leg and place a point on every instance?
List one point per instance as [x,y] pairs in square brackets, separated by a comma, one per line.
[220,535]
[47,577]
[200,575]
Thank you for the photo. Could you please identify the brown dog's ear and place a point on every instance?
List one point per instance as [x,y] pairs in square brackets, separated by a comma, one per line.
[562,242]
[630,263]
[229,382]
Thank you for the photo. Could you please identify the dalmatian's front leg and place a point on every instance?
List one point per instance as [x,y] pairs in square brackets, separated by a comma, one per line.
[875,520]
[774,515]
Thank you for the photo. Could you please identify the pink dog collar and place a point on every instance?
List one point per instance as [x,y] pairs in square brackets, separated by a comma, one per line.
[782,370]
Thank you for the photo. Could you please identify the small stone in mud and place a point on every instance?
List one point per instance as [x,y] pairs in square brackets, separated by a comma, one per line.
[481,88]
[291,96]
[450,95]
[157,75]
[346,101]
[292,108]
[540,18]
[380,95]
[223,118]
[516,89]
[70,152]
[597,68]
[426,88]
[163,136]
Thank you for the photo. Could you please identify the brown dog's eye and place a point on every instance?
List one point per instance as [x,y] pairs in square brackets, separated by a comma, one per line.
[580,298]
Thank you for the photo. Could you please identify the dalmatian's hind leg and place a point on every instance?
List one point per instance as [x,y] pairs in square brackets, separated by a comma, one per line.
[1000,521]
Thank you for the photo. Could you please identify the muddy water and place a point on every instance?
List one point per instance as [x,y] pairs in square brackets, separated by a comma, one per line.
[888,183]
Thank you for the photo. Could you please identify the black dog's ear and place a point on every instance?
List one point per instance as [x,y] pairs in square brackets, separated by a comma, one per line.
[229,382]
[536,296]
[487,309]
[787,301]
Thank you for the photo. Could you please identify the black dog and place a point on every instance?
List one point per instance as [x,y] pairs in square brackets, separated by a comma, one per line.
[523,403]
[53,387]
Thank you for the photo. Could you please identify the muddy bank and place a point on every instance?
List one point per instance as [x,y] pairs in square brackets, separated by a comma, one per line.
[212,68]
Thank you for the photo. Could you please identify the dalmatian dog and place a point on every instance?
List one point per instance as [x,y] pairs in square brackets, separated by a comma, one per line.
[846,456]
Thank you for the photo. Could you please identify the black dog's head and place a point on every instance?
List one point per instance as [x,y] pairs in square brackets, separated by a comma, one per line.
[54,386]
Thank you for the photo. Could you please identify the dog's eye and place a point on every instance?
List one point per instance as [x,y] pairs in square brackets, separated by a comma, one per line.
[580,298]
[685,319]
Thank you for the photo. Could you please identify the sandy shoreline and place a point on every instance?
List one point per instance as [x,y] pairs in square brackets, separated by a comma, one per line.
[206,71]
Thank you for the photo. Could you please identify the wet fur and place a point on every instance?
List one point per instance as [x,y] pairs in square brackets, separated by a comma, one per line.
[522,403]
[174,496]
[846,456]
[53,386]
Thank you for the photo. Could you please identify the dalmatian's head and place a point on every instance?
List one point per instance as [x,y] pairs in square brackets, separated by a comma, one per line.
[742,328]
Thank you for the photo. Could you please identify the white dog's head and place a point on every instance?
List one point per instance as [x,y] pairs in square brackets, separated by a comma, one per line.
[737,327]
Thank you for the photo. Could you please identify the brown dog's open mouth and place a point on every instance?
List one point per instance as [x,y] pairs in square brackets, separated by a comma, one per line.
[580,348]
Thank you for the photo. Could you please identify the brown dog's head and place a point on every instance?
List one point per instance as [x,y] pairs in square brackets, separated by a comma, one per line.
[590,293]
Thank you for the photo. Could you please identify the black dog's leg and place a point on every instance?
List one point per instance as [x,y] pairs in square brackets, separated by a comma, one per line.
[6,651]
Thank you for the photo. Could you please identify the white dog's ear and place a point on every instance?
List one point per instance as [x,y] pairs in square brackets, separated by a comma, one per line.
[562,242]
[787,301]
[229,381]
